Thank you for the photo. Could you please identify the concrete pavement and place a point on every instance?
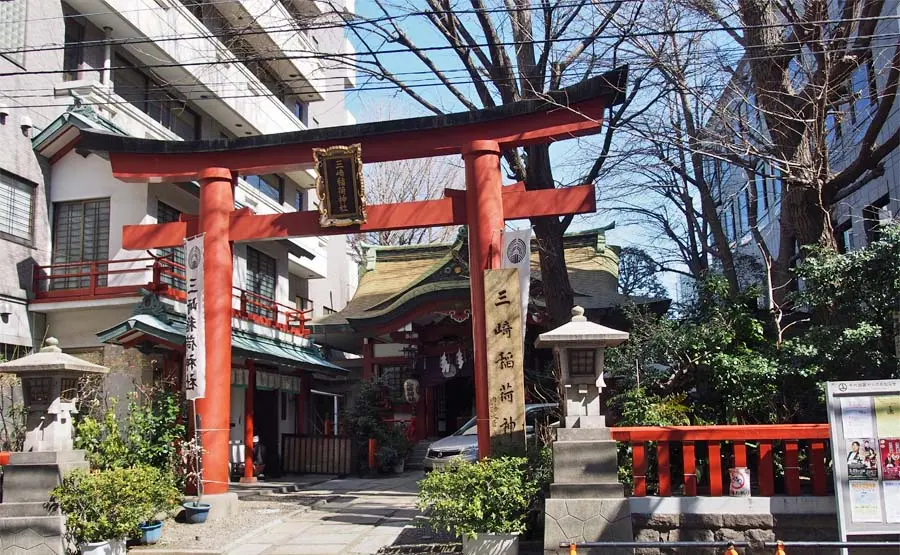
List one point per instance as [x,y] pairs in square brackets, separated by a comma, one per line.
[366,514]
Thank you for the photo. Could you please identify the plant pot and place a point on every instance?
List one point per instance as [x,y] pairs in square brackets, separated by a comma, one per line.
[106,547]
[151,532]
[399,466]
[491,544]
[195,513]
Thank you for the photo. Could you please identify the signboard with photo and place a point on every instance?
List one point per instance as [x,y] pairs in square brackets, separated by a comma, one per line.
[865,444]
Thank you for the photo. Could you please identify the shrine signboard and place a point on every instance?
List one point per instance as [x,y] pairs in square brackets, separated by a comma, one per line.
[340,185]
[505,357]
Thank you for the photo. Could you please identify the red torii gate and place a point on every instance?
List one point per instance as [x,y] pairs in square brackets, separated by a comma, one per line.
[480,137]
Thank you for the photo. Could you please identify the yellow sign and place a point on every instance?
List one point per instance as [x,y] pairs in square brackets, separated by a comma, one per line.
[506,372]
[340,185]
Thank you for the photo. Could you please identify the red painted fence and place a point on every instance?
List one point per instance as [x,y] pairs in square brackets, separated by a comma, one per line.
[723,447]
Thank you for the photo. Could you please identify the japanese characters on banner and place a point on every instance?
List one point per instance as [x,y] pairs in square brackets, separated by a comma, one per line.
[865,443]
[517,254]
[505,357]
[195,329]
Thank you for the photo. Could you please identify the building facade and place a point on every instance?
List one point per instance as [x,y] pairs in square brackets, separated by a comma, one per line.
[165,69]
[748,201]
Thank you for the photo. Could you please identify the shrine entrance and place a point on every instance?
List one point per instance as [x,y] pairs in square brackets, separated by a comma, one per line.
[480,137]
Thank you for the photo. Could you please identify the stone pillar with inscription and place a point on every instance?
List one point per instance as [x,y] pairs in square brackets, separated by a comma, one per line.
[587,503]
[506,374]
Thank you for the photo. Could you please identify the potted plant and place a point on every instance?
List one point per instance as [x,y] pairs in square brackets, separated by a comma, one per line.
[103,508]
[485,502]
[164,496]
[392,451]
[195,512]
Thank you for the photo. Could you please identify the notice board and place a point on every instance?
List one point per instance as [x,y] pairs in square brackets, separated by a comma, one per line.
[865,445]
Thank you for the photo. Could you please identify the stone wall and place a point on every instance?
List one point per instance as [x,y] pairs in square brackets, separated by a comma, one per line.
[755,520]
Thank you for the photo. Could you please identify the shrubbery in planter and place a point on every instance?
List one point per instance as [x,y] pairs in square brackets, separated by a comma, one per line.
[491,496]
[111,504]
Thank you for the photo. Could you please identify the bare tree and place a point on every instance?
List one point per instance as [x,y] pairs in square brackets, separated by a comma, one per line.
[502,53]
[639,274]
[407,181]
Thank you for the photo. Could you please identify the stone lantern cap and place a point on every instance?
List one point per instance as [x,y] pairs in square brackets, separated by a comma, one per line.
[579,332]
[50,360]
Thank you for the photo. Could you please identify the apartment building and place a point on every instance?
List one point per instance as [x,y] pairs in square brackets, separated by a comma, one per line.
[165,69]
[860,207]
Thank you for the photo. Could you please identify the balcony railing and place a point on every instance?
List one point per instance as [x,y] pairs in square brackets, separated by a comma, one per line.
[109,279]
[788,459]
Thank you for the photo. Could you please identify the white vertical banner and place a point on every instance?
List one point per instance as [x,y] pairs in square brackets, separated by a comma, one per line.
[517,254]
[195,328]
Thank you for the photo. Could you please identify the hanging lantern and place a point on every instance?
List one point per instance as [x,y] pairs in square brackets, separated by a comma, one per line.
[411,391]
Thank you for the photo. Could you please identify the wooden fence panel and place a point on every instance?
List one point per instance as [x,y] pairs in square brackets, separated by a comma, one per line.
[303,454]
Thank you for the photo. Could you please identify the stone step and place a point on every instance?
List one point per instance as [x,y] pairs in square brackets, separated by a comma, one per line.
[25,510]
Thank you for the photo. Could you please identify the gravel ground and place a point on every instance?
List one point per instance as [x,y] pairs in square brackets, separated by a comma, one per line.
[215,535]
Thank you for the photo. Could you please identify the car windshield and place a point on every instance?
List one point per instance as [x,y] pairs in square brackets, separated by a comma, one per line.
[468,429]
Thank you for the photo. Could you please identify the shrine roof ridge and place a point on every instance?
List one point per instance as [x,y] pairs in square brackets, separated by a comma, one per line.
[609,86]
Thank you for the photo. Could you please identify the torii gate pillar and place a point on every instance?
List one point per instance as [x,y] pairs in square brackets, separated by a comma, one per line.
[484,215]
[216,206]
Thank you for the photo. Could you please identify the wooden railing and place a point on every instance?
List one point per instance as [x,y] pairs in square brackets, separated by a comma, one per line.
[798,450]
[408,425]
[103,279]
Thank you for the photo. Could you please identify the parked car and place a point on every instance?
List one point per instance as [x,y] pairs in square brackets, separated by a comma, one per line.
[463,443]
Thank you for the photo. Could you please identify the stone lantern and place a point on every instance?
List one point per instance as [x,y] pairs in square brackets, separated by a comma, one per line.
[587,503]
[49,386]
[579,347]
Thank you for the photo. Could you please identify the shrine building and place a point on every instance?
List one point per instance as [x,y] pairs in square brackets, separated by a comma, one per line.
[410,319]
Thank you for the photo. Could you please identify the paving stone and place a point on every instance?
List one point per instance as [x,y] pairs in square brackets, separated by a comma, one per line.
[250,549]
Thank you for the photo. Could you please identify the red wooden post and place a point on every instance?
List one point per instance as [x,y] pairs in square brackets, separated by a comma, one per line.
[93,278]
[817,455]
[639,468]
[368,358]
[740,454]
[484,211]
[715,468]
[157,274]
[662,466]
[690,468]
[249,395]
[372,447]
[216,206]
[791,467]
[766,470]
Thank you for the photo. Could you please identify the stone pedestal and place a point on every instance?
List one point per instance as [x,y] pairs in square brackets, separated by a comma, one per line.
[587,503]
[25,525]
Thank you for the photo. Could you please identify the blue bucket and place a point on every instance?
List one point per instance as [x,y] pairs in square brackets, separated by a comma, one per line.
[151,532]
[195,513]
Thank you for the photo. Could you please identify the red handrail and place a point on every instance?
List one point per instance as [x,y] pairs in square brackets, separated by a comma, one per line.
[262,310]
[789,439]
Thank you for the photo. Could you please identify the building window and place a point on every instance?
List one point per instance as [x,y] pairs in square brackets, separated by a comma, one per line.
[151,98]
[874,216]
[300,110]
[261,279]
[16,208]
[743,210]
[270,185]
[14,16]
[73,52]
[728,223]
[302,303]
[843,236]
[167,214]
[80,234]
[300,200]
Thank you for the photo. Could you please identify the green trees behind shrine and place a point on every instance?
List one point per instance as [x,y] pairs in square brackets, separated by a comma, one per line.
[722,360]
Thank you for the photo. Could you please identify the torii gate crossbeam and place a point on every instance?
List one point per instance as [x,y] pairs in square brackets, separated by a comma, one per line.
[480,137]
